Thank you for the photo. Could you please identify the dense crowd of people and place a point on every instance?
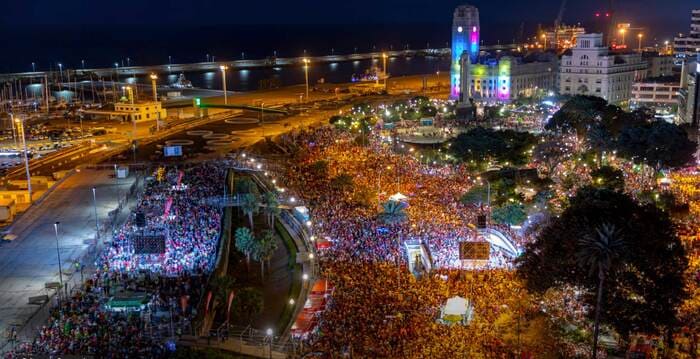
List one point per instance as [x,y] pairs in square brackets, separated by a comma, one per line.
[379,309]
[100,319]
[177,211]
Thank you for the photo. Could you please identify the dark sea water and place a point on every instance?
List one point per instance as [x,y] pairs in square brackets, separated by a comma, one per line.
[102,46]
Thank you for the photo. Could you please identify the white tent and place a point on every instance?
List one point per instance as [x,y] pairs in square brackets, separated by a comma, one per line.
[456,306]
[398,197]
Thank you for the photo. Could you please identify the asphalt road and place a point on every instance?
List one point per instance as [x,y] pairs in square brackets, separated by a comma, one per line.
[30,261]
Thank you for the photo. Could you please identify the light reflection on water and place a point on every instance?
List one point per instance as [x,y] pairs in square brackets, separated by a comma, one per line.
[249,79]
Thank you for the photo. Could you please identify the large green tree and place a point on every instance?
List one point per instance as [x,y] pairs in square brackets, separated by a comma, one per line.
[393,213]
[657,144]
[248,302]
[244,241]
[510,214]
[577,115]
[480,144]
[608,177]
[264,248]
[271,207]
[250,206]
[645,285]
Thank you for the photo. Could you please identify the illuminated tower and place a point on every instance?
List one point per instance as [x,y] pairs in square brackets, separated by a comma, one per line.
[465,37]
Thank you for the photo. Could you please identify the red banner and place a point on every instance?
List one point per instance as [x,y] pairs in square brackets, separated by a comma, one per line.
[206,307]
[183,303]
[168,205]
[228,310]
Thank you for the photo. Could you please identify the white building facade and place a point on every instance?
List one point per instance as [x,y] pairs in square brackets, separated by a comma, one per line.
[654,94]
[592,69]
[688,46]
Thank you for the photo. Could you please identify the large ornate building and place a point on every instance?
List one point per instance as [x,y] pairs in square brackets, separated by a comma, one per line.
[592,69]
[465,38]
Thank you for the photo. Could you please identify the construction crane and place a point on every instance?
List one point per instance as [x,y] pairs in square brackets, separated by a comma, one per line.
[560,15]
[557,22]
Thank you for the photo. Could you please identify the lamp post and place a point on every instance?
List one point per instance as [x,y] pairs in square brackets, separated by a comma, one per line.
[116,67]
[622,33]
[385,73]
[33,67]
[60,69]
[94,206]
[154,77]
[20,129]
[262,117]
[306,77]
[223,80]
[544,38]
[269,336]
[639,38]
[58,254]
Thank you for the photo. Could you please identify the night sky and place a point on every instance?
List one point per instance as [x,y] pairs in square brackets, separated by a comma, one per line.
[188,12]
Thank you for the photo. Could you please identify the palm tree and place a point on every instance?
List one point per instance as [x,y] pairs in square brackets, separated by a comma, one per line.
[222,286]
[597,252]
[245,242]
[248,302]
[271,207]
[264,248]
[244,185]
[249,204]
[393,213]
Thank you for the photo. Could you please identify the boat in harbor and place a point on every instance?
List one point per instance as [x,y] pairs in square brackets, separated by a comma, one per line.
[371,74]
[182,83]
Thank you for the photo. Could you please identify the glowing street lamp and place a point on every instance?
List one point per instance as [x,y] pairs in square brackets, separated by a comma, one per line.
[20,129]
[623,31]
[306,76]
[154,77]
[385,73]
[639,37]
[223,80]
[544,38]
[60,69]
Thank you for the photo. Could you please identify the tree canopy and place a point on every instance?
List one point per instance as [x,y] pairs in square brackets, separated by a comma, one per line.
[608,177]
[657,144]
[481,143]
[510,214]
[643,287]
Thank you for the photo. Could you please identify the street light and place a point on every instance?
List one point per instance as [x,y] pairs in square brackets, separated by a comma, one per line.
[154,77]
[544,38]
[623,31]
[269,335]
[223,80]
[306,76]
[33,67]
[94,206]
[58,254]
[20,129]
[639,37]
[385,73]
[60,69]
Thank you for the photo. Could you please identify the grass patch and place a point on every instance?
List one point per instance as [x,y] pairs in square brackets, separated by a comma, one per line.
[295,288]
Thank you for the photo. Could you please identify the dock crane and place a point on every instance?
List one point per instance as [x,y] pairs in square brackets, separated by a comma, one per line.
[557,23]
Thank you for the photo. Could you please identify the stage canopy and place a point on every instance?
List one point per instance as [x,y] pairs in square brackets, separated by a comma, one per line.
[456,306]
